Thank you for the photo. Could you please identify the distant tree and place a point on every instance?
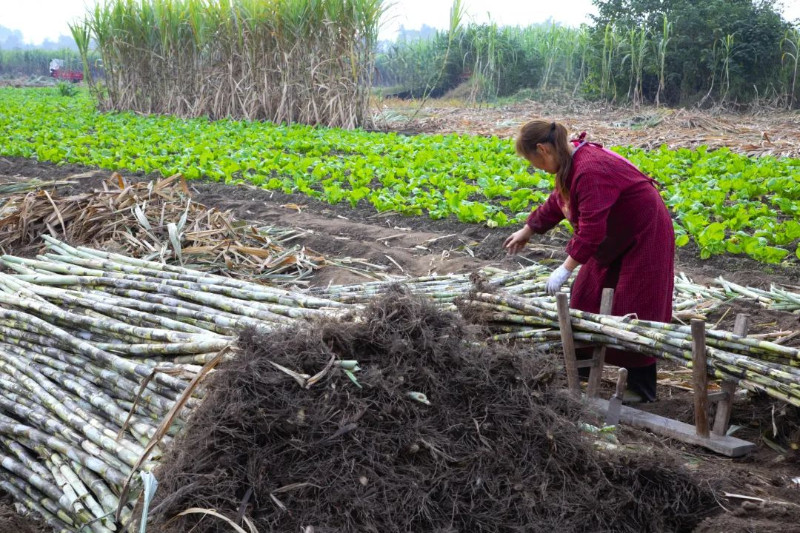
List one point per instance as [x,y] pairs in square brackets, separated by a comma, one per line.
[11,39]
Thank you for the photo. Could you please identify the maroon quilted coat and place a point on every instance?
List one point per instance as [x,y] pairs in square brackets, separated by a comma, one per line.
[623,237]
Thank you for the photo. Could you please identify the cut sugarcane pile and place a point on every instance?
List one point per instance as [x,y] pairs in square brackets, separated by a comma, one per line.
[758,364]
[691,300]
[776,298]
[158,220]
[81,331]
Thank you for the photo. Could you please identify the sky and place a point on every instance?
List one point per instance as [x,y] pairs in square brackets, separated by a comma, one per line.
[41,19]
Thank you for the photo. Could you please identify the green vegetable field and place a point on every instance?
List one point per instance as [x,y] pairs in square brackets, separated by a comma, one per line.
[722,201]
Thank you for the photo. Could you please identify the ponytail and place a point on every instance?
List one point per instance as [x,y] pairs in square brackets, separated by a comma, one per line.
[538,132]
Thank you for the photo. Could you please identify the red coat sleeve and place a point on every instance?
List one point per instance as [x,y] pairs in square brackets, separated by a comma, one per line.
[547,215]
[592,196]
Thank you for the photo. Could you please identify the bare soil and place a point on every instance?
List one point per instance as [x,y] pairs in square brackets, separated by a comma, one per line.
[759,131]
[418,246]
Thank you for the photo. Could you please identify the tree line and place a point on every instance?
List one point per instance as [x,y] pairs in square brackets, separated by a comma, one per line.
[675,52]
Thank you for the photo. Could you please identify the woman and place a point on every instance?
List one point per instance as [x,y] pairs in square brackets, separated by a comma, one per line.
[623,235]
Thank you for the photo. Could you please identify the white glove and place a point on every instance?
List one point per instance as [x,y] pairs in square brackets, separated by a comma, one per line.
[557,279]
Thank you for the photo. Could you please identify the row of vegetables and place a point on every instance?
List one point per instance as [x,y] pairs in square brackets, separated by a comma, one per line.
[722,201]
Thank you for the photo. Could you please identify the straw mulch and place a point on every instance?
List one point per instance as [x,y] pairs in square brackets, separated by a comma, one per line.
[154,220]
[755,134]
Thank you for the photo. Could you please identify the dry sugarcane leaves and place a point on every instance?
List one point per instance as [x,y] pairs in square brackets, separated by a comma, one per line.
[154,219]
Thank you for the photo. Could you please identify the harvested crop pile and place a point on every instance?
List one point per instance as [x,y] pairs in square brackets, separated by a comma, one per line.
[154,220]
[496,449]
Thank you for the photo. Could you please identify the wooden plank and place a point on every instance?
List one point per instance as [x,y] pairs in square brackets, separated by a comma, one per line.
[728,446]
[722,419]
[700,377]
[741,325]
[568,342]
[599,353]
[583,363]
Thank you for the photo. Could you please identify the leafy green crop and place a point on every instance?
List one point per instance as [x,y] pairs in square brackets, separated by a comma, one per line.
[726,203]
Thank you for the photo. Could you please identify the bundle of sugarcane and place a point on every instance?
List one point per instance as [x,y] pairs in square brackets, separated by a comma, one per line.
[159,220]
[758,364]
[76,420]
[443,289]
[202,311]
[96,350]
[776,298]
[691,300]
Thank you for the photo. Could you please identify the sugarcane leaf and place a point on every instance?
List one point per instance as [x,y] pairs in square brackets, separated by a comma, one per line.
[733,429]
[184,216]
[352,378]
[774,445]
[172,229]
[212,512]
[141,218]
[150,485]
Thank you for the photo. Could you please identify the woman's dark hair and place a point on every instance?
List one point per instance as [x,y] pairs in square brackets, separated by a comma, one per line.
[543,132]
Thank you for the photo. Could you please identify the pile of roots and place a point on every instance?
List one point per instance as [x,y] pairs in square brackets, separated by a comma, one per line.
[496,449]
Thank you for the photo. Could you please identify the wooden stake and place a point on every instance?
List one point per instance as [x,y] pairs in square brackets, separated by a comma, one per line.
[568,342]
[723,417]
[700,374]
[599,353]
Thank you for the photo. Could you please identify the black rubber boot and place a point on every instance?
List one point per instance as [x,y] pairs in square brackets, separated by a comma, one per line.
[642,381]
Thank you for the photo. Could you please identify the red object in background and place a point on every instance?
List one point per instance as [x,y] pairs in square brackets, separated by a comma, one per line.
[58,72]
[72,75]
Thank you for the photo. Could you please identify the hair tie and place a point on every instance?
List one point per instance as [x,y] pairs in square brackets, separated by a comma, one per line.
[553,126]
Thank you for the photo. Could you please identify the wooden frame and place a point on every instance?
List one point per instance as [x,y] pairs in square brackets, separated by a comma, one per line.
[698,434]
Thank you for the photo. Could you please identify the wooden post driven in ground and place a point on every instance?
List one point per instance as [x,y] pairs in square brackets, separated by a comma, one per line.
[723,417]
[568,342]
[700,381]
[599,353]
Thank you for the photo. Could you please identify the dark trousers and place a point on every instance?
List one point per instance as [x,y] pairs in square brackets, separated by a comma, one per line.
[641,380]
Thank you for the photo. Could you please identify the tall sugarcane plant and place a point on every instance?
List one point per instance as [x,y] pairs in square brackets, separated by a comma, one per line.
[661,56]
[283,60]
[790,46]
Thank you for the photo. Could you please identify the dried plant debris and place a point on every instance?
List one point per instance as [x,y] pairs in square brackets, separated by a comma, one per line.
[434,433]
[156,220]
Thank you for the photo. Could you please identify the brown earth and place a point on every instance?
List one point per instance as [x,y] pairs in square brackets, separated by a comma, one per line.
[418,246]
[759,131]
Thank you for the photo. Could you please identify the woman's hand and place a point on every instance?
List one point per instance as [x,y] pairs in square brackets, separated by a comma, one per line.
[557,279]
[517,240]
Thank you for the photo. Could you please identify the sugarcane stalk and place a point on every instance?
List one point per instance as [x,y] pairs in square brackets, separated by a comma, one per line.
[82,493]
[14,403]
[131,370]
[50,512]
[73,415]
[27,434]
[99,400]
[45,486]
[116,384]
[76,507]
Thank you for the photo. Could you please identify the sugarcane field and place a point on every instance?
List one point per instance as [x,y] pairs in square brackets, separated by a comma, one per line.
[297,266]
